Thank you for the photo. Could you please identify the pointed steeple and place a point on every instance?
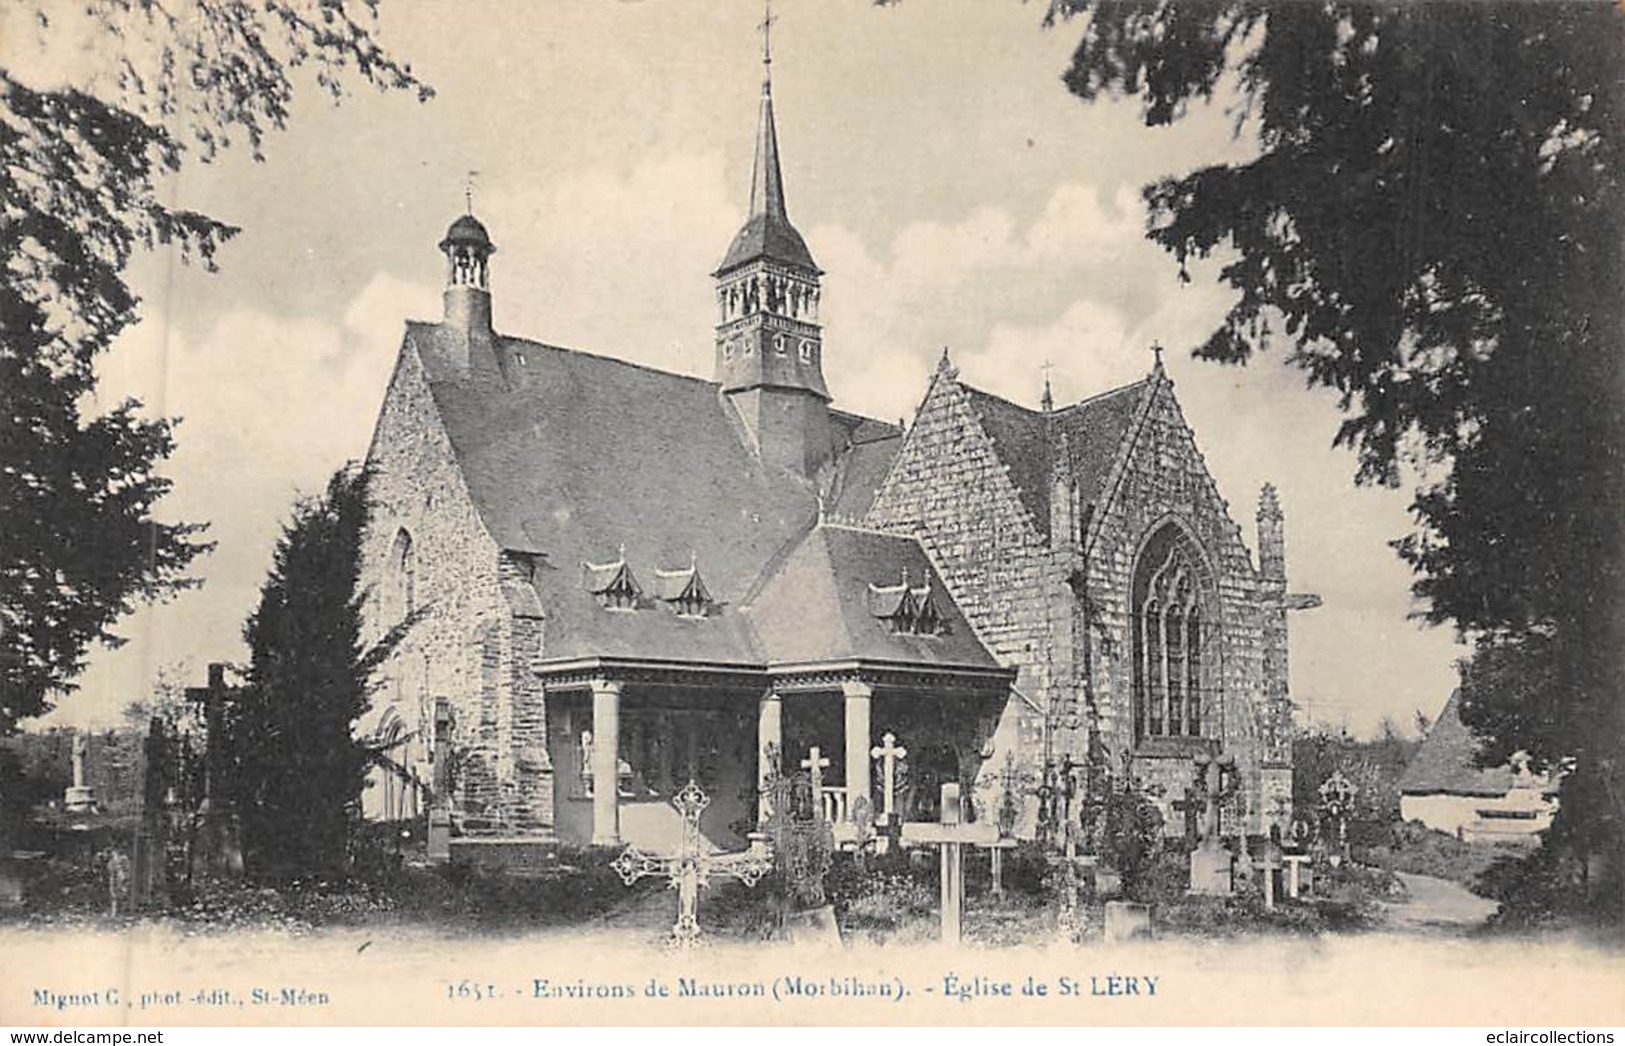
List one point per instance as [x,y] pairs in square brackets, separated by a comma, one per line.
[767,234]
[769,343]
[766,180]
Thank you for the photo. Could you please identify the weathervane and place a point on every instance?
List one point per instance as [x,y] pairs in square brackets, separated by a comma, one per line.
[468,190]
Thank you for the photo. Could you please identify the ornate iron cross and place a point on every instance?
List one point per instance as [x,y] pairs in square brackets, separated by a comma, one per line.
[691,868]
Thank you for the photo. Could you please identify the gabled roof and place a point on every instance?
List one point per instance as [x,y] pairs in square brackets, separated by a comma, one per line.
[570,456]
[1025,439]
[816,605]
[1445,762]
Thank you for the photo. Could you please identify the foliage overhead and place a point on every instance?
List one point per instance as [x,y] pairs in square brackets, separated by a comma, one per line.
[1433,225]
[86,146]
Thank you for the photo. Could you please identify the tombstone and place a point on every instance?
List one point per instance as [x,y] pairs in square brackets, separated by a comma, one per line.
[1270,863]
[800,843]
[1126,920]
[219,850]
[1299,874]
[118,881]
[439,830]
[692,867]
[1212,867]
[80,798]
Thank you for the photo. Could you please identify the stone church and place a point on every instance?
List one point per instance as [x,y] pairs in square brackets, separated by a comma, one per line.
[624,579]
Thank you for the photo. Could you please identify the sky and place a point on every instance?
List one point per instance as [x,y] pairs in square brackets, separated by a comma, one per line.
[956,195]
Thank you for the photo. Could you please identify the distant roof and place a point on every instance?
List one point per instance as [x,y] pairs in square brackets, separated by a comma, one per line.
[1094,430]
[572,456]
[1445,762]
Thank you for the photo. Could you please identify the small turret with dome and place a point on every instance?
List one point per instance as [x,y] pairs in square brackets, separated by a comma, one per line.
[468,249]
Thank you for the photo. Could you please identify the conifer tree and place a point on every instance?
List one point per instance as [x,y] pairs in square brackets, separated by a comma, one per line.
[295,768]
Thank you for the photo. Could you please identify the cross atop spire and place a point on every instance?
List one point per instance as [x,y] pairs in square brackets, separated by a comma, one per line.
[1156,351]
[468,191]
[766,27]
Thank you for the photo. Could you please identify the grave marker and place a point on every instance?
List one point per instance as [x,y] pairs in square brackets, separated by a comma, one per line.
[691,868]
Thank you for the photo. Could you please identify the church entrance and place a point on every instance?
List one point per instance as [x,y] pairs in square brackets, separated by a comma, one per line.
[666,738]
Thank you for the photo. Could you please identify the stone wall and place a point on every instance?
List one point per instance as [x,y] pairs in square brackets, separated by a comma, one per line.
[464,646]
[949,488]
[1161,480]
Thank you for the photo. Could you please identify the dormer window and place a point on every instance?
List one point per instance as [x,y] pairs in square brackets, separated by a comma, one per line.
[685,591]
[613,583]
[907,610]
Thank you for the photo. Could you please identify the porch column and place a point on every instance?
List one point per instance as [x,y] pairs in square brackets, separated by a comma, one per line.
[606,762]
[859,696]
[769,751]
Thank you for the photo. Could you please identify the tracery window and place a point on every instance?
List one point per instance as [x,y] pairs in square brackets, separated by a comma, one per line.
[1171,624]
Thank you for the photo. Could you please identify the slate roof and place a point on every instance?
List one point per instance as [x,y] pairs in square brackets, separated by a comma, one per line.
[1444,764]
[1094,430]
[817,604]
[572,456]
[767,233]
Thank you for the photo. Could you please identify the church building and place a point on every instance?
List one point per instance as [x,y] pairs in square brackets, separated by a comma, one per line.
[622,579]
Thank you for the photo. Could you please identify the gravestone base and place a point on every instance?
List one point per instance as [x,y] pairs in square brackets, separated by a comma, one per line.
[15,867]
[813,928]
[80,800]
[1126,921]
[439,840]
[1212,872]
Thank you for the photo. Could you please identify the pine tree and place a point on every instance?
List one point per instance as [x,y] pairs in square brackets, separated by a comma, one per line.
[295,769]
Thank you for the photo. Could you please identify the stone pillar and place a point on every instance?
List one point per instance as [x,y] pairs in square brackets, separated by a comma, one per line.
[859,697]
[606,762]
[769,751]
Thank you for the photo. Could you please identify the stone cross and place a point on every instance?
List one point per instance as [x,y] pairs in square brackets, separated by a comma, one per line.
[950,835]
[1337,794]
[691,868]
[815,764]
[889,752]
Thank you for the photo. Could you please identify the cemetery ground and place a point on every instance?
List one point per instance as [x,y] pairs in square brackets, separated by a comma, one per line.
[890,899]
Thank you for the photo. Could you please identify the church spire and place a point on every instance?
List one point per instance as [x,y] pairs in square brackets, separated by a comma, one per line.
[766,180]
[769,358]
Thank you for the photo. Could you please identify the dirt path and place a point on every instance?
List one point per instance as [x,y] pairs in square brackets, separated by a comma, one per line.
[1438,906]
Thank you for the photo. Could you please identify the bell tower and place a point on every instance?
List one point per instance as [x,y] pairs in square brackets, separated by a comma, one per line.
[467,296]
[769,346]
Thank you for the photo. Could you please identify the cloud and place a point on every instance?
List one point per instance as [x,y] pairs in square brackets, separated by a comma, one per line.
[270,406]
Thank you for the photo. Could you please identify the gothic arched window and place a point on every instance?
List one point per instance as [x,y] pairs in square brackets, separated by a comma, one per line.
[1172,622]
[400,586]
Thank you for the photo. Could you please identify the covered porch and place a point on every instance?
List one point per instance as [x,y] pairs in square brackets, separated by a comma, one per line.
[873,741]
